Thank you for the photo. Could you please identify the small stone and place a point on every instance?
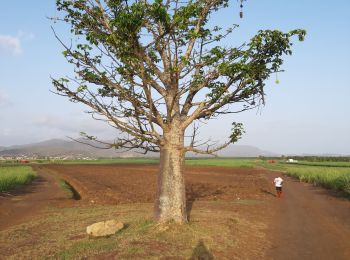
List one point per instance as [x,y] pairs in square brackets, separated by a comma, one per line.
[104,228]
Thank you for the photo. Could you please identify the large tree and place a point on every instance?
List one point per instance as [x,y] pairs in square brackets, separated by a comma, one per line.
[152,69]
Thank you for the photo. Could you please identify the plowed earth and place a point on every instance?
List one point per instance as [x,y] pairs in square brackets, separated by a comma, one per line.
[137,183]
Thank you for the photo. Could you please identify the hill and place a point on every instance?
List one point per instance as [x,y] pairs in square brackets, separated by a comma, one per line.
[245,151]
[73,149]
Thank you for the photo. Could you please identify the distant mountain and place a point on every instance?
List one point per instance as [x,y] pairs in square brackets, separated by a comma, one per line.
[239,151]
[56,148]
[63,148]
[245,151]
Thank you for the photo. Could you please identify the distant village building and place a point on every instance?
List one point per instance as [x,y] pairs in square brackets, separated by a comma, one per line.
[292,161]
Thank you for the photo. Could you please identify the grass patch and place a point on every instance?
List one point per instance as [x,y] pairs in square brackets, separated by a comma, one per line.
[60,234]
[87,247]
[68,189]
[337,179]
[324,164]
[109,161]
[227,162]
[11,177]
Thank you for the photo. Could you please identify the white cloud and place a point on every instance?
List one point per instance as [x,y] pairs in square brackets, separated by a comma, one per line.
[13,44]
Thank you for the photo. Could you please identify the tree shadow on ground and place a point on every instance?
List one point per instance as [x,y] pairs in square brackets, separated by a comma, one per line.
[197,191]
[201,252]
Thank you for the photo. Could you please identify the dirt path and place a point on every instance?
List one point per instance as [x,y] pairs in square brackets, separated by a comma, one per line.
[26,202]
[310,223]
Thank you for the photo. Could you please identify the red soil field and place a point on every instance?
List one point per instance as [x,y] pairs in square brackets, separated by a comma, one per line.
[137,183]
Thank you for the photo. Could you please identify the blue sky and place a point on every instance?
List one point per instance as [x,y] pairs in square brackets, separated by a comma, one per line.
[306,113]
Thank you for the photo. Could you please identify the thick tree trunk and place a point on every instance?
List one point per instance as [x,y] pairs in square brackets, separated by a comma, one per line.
[171,198]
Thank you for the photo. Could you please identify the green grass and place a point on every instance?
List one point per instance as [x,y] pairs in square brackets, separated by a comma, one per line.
[61,234]
[66,187]
[98,161]
[277,166]
[334,178]
[324,164]
[227,162]
[11,177]
[109,161]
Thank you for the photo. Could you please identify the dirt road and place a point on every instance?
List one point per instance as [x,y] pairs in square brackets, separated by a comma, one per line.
[309,223]
[26,202]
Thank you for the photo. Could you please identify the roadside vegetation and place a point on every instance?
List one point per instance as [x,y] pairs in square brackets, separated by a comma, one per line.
[328,174]
[325,163]
[66,187]
[334,178]
[11,177]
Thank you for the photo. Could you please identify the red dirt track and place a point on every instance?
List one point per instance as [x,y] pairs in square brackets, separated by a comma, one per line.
[26,202]
[310,223]
[307,223]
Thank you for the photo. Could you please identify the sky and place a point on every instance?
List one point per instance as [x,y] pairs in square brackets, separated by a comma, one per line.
[307,113]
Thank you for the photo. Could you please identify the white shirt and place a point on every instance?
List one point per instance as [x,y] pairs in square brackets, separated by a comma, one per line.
[278,181]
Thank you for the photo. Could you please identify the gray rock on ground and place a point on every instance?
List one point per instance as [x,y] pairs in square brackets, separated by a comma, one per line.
[104,228]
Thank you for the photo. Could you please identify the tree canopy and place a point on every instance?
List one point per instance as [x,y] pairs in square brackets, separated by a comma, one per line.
[141,64]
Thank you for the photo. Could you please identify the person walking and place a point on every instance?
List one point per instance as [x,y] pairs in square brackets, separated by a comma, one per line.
[278,184]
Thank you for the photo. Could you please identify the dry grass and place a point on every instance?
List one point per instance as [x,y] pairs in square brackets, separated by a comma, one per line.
[216,230]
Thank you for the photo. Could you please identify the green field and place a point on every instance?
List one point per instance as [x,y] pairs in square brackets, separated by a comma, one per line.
[331,175]
[11,177]
[227,162]
[97,161]
[334,178]
[324,164]
[108,161]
